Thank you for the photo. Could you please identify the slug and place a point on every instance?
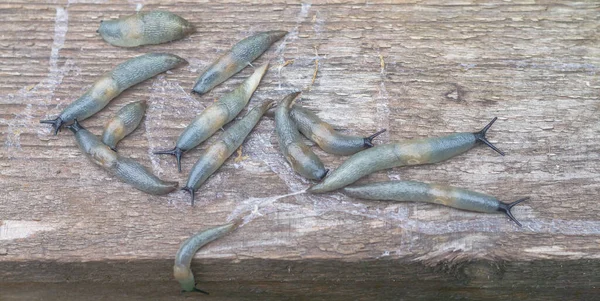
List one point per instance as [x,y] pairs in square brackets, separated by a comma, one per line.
[410,191]
[215,116]
[126,121]
[298,154]
[411,152]
[127,170]
[147,28]
[183,259]
[236,59]
[111,84]
[215,155]
[328,139]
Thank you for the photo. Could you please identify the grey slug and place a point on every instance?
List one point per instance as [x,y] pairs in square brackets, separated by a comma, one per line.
[123,123]
[145,28]
[127,170]
[183,259]
[215,155]
[410,152]
[324,135]
[216,115]
[303,160]
[410,191]
[112,83]
[241,55]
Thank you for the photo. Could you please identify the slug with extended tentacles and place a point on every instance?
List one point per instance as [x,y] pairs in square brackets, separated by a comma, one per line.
[410,191]
[303,160]
[123,123]
[127,170]
[324,135]
[111,84]
[241,55]
[215,116]
[183,259]
[215,155]
[411,152]
[145,28]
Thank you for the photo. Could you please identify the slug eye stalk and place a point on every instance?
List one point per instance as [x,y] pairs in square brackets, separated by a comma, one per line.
[191,191]
[480,136]
[503,207]
[177,152]
[56,124]
[369,140]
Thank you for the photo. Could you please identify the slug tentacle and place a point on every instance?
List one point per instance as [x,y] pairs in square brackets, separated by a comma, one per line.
[199,291]
[192,192]
[503,207]
[369,140]
[56,124]
[480,136]
[176,151]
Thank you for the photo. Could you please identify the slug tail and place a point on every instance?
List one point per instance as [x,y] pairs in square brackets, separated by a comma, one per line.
[56,124]
[507,207]
[176,151]
[369,140]
[191,191]
[480,136]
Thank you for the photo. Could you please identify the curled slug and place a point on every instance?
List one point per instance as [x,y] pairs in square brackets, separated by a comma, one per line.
[241,55]
[410,191]
[410,152]
[111,84]
[215,116]
[215,155]
[298,154]
[123,123]
[328,139]
[183,259]
[146,28]
[127,170]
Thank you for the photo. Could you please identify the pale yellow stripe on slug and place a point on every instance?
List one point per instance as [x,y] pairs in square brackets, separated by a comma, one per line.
[413,153]
[134,28]
[117,128]
[103,156]
[105,89]
[441,196]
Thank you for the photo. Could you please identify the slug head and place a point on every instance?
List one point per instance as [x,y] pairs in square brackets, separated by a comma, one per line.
[75,127]
[56,124]
[177,152]
[191,191]
[503,207]
[480,136]
[368,141]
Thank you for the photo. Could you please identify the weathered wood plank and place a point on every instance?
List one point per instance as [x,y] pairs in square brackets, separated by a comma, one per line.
[418,68]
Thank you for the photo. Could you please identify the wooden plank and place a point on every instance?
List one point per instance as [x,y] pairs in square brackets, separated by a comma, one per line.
[419,69]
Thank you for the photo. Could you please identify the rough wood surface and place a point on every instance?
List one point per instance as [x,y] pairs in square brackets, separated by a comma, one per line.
[417,68]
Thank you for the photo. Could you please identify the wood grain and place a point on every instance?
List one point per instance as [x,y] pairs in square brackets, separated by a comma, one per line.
[417,68]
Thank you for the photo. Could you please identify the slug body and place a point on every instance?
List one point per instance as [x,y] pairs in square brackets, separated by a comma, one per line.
[410,191]
[328,139]
[215,155]
[183,259]
[241,55]
[303,160]
[216,115]
[111,84]
[125,121]
[127,170]
[411,152]
[146,28]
